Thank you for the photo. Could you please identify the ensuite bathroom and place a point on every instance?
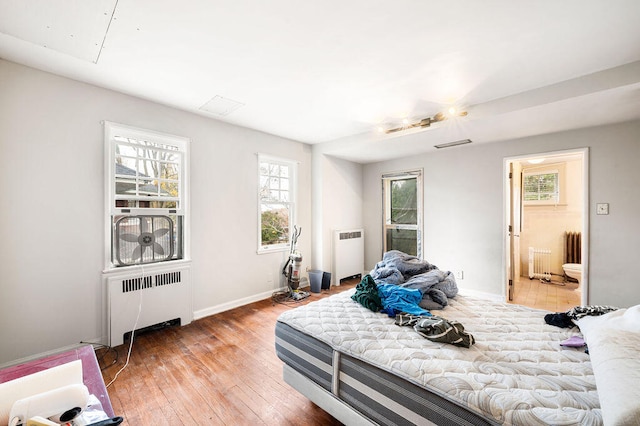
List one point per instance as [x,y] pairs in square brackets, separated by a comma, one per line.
[548,224]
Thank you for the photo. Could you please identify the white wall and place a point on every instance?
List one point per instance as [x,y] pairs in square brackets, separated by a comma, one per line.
[51,148]
[337,203]
[52,228]
[464,216]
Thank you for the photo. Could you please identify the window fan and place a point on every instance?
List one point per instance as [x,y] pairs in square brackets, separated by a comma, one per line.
[143,239]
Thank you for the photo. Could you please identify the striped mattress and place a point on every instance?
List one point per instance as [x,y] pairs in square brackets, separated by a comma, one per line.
[516,373]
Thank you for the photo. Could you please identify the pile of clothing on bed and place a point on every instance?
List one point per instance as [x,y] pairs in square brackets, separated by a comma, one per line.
[407,271]
[404,287]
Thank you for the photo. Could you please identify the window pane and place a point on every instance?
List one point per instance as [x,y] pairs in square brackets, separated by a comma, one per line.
[125,186]
[163,204]
[284,184]
[404,203]
[274,221]
[405,240]
[169,189]
[127,150]
[149,168]
[126,166]
[541,187]
[169,171]
[274,183]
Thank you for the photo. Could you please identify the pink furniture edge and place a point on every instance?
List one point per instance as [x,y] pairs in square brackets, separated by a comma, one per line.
[91,374]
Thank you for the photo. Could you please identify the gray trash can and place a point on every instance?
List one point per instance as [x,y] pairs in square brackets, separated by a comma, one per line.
[315,280]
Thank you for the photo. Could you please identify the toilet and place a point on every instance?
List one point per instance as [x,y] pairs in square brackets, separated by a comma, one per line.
[573,270]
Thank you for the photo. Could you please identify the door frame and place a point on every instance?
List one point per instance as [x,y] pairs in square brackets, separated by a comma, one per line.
[507,205]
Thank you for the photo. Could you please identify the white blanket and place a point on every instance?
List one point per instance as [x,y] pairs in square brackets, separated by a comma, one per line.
[614,342]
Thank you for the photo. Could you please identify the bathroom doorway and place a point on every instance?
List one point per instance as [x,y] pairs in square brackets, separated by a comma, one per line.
[546,243]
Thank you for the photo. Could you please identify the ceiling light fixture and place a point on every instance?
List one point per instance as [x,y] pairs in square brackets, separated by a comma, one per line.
[425,122]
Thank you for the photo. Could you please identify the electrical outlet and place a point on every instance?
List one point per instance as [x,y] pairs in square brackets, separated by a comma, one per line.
[460,275]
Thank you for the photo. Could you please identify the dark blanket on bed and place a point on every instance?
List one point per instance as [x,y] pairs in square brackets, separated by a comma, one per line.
[409,271]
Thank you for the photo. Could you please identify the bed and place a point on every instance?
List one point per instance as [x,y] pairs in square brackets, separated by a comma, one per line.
[362,368]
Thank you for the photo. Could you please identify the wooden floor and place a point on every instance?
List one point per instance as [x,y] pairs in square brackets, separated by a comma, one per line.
[219,370]
[547,296]
[223,370]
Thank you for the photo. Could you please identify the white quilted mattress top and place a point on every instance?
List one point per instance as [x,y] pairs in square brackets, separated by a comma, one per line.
[516,373]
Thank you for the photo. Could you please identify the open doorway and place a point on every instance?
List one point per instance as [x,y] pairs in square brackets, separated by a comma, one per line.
[546,206]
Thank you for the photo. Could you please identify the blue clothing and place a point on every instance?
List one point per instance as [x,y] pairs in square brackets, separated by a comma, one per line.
[401,299]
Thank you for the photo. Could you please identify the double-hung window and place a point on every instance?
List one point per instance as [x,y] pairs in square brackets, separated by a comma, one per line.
[146,195]
[276,202]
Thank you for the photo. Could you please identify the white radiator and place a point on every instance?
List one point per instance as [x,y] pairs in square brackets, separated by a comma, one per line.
[539,263]
[348,253]
[163,293]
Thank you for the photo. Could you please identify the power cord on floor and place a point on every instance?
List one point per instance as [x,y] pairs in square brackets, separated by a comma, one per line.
[101,358]
[133,331]
[287,297]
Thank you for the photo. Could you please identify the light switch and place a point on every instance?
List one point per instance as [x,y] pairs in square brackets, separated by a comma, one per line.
[602,208]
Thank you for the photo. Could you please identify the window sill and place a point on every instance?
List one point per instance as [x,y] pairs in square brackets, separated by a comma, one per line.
[147,267]
[273,250]
[534,204]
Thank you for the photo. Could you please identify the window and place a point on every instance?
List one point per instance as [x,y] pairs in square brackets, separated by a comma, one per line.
[146,187]
[276,200]
[541,188]
[402,199]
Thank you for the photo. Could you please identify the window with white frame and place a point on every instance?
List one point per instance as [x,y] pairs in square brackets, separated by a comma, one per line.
[541,187]
[276,201]
[146,183]
[402,208]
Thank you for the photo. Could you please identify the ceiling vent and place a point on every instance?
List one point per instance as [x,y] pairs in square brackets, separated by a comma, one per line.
[455,143]
[221,106]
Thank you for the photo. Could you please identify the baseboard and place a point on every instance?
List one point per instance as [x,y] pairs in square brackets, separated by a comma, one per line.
[482,295]
[202,313]
[42,355]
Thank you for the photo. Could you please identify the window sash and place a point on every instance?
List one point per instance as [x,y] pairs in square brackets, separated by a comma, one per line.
[164,157]
[276,191]
[542,187]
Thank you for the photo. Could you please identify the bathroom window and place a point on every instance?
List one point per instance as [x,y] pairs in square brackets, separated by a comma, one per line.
[541,187]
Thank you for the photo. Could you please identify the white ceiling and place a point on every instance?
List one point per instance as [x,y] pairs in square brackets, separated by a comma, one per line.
[332,71]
